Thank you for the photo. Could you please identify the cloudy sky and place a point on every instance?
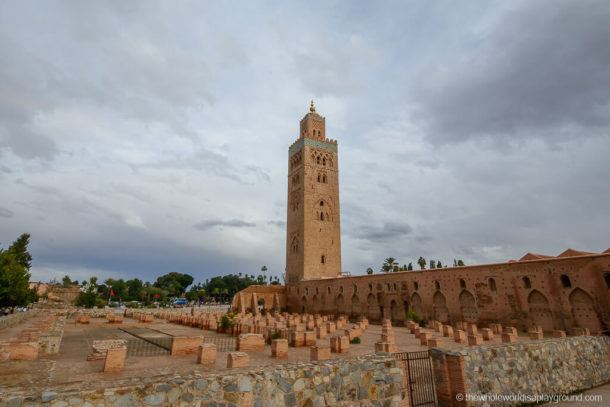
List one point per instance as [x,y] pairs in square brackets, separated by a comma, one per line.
[139,138]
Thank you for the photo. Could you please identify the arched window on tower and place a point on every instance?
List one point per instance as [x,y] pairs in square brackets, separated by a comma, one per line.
[295,245]
[492,284]
[322,218]
[324,179]
[324,161]
[318,177]
[462,283]
[437,285]
[565,281]
[527,283]
[321,203]
[318,160]
[323,259]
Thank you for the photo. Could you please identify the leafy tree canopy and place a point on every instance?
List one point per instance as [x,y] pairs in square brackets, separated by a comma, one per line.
[175,283]
[15,263]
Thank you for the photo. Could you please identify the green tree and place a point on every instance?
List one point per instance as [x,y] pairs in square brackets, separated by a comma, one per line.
[175,283]
[152,294]
[410,267]
[389,265]
[432,264]
[15,263]
[422,263]
[460,263]
[196,295]
[264,270]
[369,271]
[88,298]
[134,289]
[19,248]
[119,287]
[66,281]
[439,265]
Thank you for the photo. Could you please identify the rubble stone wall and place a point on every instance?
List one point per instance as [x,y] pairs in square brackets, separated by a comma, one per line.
[367,380]
[528,369]
[14,319]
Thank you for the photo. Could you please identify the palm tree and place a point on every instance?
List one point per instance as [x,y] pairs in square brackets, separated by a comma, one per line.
[422,263]
[389,264]
[369,271]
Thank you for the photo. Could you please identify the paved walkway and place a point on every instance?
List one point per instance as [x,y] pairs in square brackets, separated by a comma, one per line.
[597,397]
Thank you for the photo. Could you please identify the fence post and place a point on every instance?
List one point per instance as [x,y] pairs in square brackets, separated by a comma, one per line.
[450,378]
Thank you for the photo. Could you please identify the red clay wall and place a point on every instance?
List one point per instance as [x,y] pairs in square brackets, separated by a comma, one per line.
[481,294]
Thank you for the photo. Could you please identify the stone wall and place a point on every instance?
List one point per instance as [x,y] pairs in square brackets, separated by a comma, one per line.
[39,338]
[65,295]
[366,380]
[14,319]
[545,367]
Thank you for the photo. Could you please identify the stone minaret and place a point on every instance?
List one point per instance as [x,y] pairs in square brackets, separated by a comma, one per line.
[313,237]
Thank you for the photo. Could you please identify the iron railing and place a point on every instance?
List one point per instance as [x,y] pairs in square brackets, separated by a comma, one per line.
[420,378]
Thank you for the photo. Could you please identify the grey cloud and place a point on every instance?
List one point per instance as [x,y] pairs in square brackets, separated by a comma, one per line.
[260,172]
[5,213]
[538,71]
[278,223]
[389,230]
[212,163]
[155,80]
[21,79]
[233,223]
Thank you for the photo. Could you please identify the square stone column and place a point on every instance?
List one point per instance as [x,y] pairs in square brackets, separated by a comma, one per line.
[279,348]
[238,359]
[207,354]
[115,360]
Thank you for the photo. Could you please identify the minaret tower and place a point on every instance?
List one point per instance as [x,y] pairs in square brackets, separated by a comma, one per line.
[313,237]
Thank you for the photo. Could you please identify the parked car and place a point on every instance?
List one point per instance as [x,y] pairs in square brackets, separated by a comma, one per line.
[179,302]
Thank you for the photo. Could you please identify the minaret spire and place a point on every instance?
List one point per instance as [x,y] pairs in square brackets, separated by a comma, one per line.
[312,108]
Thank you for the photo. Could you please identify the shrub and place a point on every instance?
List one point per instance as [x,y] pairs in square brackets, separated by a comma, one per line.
[86,299]
[276,335]
[227,320]
[412,316]
[355,341]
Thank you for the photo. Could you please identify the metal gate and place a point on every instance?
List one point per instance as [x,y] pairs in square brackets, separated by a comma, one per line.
[140,347]
[420,378]
[223,343]
[148,342]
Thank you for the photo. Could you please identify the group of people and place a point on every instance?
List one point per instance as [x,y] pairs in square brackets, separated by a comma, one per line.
[11,310]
